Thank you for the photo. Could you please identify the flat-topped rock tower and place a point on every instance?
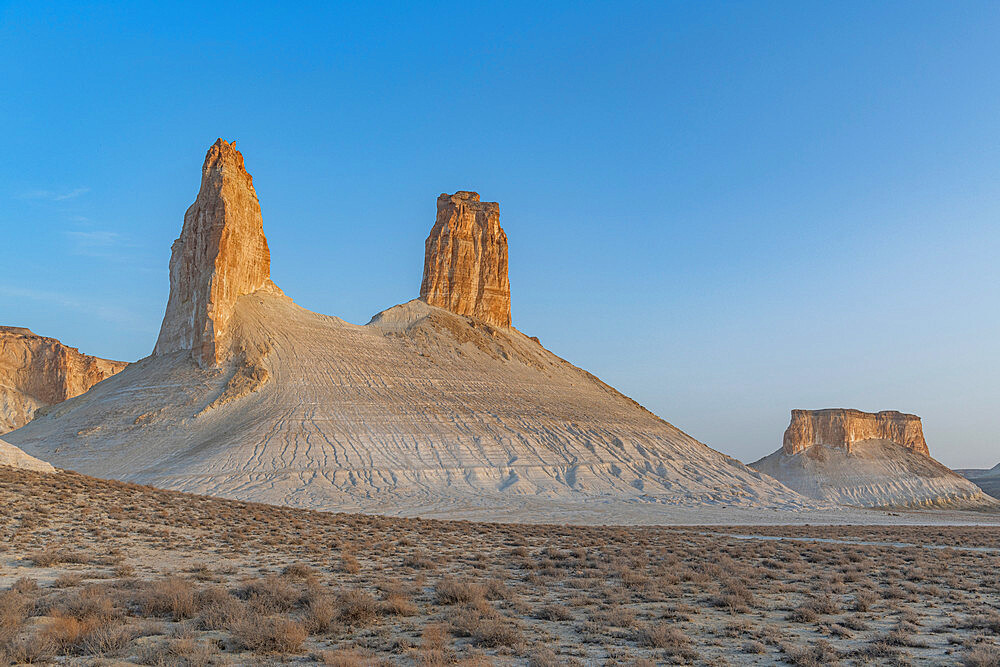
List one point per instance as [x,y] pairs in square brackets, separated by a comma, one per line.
[840,427]
[465,260]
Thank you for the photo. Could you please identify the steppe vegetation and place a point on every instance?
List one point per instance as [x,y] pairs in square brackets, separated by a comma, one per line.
[99,572]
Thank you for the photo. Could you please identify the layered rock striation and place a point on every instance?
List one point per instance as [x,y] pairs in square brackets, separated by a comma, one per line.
[465,260]
[844,428]
[866,459]
[37,372]
[221,255]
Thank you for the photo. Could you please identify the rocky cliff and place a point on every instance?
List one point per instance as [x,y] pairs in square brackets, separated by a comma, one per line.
[36,372]
[465,260]
[844,428]
[221,255]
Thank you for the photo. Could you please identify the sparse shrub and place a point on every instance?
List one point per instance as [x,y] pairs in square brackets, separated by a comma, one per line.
[543,657]
[299,571]
[452,591]
[820,654]
[982,656]
[356,608]
[554,612]
[270,595]
[170,596]
[397,604]
[270,634]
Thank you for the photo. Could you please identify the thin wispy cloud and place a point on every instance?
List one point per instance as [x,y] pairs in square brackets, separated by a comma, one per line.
[52,195]
[94,241]
[109,313]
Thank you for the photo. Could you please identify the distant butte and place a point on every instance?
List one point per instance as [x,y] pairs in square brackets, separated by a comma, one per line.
[868,459]
[37,372]
[839,427]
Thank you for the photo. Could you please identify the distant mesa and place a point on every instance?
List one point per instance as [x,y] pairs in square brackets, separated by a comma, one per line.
[436,407]
[866,459]
[465,260]
[38,372]
[846,428]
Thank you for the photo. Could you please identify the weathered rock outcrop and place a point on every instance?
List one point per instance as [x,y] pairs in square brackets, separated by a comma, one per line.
[36,372]
[15,458]
[839,427]
[422,411]
[866,459]
[465,260]
[221,255]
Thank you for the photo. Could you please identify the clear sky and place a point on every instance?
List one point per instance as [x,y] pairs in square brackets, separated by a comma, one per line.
[725,210]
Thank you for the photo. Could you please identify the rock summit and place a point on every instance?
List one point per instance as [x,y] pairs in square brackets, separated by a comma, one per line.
[465,260]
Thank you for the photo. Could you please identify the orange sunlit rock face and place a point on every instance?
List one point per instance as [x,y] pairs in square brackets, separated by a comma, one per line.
[465,260]
[838,427]
[220,256]
[37,372]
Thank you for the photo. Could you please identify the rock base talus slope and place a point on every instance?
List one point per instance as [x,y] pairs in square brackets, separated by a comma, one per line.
[465,260]
[861,466]
[37,372]
[15,458]
[420,412]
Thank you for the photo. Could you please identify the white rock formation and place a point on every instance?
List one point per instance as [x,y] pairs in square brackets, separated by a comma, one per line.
[15,458]
[420,412]
[864,459]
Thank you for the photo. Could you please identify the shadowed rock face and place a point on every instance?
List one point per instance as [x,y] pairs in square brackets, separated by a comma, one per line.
[844,428]
[465,260]
[36,372]
[220,256]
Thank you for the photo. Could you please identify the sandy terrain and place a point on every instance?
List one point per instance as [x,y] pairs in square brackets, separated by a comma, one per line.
[99,572]
[420,412]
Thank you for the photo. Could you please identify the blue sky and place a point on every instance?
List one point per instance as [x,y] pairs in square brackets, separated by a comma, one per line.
[726,210]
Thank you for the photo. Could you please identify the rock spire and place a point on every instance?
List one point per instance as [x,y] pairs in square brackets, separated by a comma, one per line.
[842,428]
[221,255]
[465,260]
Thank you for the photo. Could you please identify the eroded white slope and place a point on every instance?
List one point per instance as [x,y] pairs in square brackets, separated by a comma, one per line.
[876,473]
[419,412]
[15,458]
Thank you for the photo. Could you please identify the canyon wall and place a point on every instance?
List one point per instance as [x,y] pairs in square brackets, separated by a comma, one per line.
[36,372]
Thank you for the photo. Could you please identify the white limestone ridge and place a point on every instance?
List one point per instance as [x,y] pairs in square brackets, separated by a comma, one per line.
[422,411]
[15,458]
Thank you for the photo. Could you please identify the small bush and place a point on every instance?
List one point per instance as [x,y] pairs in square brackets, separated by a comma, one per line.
[270,634]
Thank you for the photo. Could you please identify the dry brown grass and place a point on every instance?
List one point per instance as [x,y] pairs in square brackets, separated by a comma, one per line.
[165,578]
